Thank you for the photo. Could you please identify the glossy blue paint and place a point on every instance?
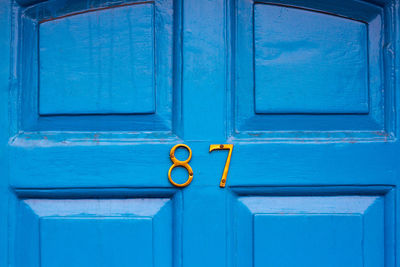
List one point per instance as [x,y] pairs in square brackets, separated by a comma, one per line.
[5,44]
[98,62]
[308,240]
[90,73]
[271,94]
[311,230]
[97,232]
[84,186]
[104,241]
[317,66]
[308,226]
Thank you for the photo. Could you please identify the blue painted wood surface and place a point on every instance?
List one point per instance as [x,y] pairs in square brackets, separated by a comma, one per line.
[107,232]
[291,116]
[144,116]
[317,65]
[102,241]
[5,64]
[310,230]
[310,189]
[99,62]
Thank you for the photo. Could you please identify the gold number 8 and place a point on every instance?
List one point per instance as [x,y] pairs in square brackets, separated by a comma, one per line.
[184,163]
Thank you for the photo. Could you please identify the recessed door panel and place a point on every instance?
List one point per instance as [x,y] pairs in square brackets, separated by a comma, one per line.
[98,62]
[306,69]
[104,66]
[95,232]
[309,62]
[96,241]
[308,240]
[310,230]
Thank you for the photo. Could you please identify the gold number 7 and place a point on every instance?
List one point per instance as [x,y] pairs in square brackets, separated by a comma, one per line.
[228,160]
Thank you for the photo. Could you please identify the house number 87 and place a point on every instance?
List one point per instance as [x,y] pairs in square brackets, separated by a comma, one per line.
[185,163]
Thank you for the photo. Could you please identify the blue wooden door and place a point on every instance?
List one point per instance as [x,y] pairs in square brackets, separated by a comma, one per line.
[95,94]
